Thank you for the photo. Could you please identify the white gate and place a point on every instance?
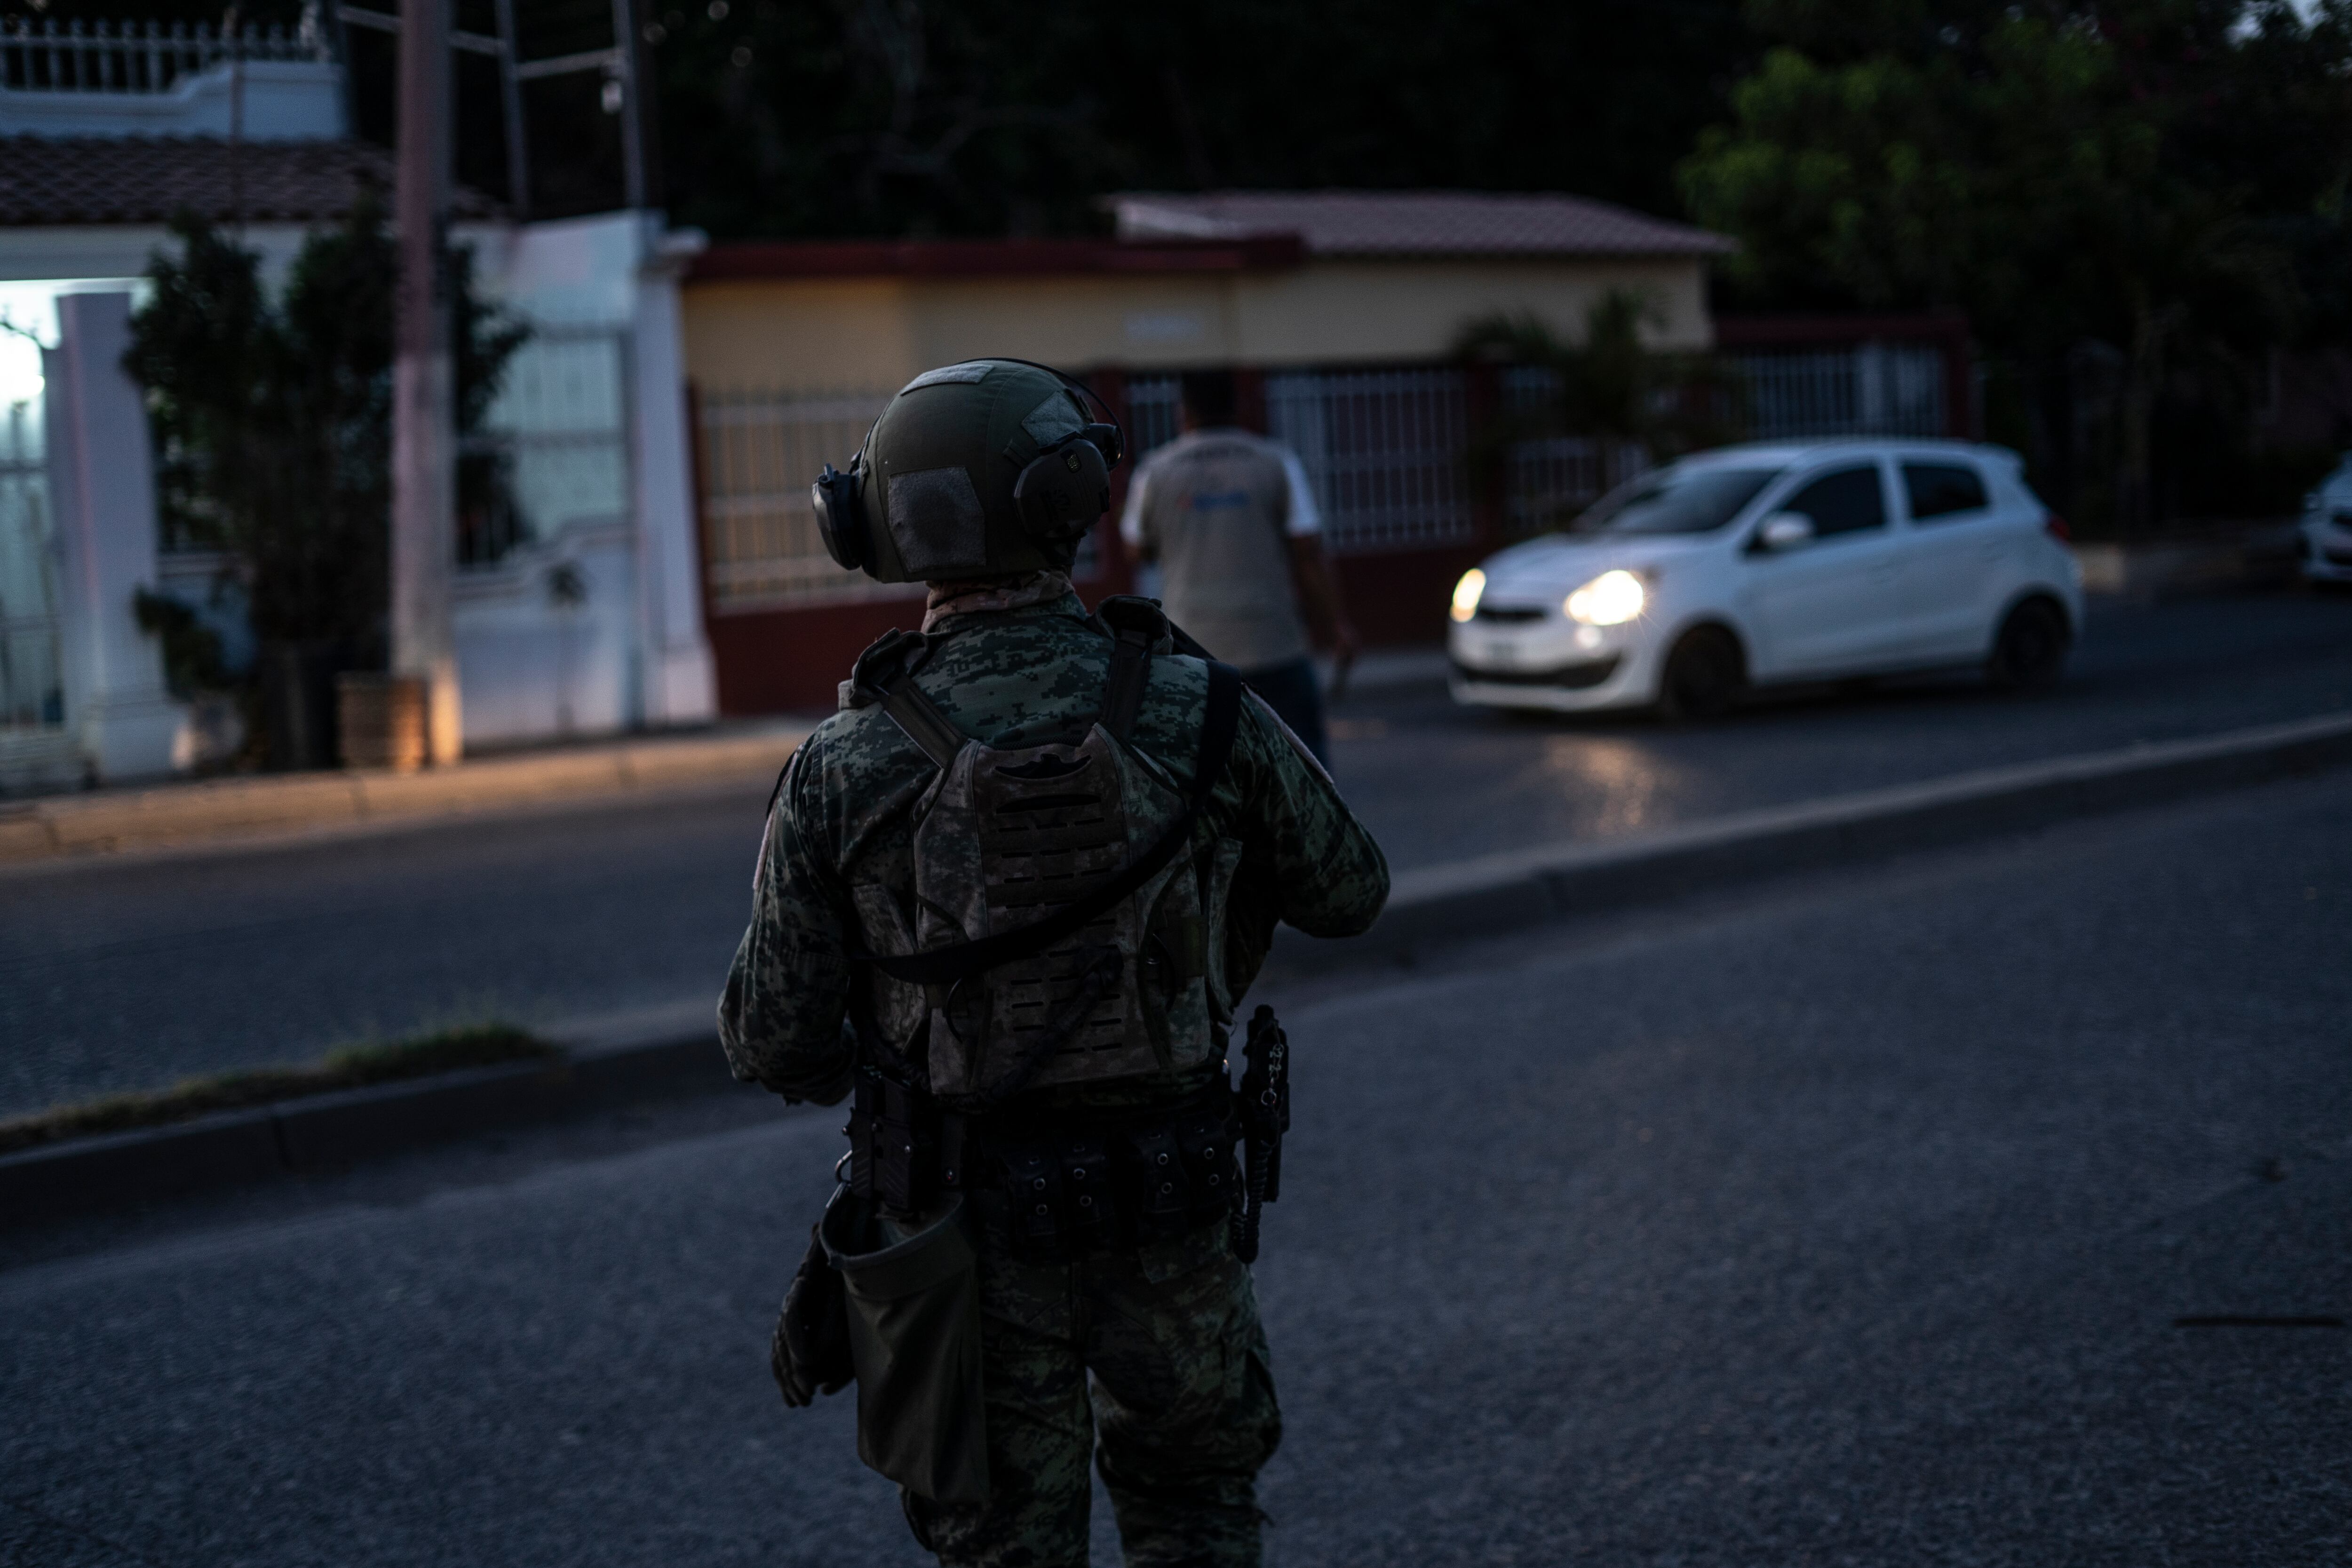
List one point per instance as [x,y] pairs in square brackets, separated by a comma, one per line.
[559,431]
[32,695]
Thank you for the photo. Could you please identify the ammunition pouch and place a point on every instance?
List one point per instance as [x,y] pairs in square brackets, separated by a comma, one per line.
[1070,1188]
[1118,1184]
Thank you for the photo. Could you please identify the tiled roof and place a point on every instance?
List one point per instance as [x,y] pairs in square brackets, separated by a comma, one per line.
[1415,223]
[146,179]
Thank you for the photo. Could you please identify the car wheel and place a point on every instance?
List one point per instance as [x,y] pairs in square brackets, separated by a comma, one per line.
[1704,676]
[2030,649]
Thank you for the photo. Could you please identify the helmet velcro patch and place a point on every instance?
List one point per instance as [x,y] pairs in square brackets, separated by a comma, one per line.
[937,522]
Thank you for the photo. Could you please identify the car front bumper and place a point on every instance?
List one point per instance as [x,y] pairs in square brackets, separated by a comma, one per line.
[1554,665]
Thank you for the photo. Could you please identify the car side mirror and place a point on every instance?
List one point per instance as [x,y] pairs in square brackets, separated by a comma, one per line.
[1785,531]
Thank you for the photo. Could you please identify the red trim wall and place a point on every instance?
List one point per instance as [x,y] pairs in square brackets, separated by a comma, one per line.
[787,661]
[793,659]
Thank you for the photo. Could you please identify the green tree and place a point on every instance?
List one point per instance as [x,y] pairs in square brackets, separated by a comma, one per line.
[273,420]
[2064,173]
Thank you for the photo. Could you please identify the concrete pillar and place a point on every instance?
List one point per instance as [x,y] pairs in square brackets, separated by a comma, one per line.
[424,383]
[676,683]
[102,495]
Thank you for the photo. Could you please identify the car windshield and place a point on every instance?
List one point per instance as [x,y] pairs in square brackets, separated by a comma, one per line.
[1675,500]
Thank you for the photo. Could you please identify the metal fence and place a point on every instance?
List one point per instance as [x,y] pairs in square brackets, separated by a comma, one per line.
[1385,453]
[1153,405]
[1547,481]
[1871,389]
[32,695]
[48,55]
[760,453]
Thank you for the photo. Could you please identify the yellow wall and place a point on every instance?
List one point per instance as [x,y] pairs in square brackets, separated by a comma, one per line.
[804,335]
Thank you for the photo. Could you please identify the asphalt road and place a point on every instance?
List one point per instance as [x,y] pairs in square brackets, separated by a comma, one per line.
[130,974]
[1843,1220]
[2143,672]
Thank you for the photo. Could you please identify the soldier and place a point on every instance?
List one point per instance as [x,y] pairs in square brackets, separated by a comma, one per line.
[1011,895]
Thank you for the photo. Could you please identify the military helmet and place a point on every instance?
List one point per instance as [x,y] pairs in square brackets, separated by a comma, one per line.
[985,469]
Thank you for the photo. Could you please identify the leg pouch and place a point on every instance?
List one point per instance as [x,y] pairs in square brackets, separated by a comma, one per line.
[914,1338]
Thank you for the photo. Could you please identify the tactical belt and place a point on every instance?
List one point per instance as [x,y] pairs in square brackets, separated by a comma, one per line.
[1069,1187]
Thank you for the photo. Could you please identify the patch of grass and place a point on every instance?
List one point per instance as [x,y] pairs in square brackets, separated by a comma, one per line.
[348,1067]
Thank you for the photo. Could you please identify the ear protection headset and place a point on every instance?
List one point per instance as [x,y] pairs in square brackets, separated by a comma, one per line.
[1063,488]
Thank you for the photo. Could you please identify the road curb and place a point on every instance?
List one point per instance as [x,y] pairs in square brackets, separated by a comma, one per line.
[1495,894]
[627,1058]
[322,1132]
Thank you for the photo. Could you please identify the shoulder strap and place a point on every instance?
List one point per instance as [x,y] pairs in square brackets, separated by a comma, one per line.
[946,965]
[1137,626]
[882,675]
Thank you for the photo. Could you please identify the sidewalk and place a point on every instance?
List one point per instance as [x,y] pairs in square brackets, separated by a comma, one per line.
[253,808]
[263,807]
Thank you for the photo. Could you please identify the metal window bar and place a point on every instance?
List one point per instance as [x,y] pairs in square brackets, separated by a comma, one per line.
[1385,451]
[760,452]
[1871,389]
[556,442]
[32,692]
[1547,481]
[1152,405]
[48,55]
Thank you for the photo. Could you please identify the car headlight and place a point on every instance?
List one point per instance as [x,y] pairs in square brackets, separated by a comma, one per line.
[1609,600]
[1466,593]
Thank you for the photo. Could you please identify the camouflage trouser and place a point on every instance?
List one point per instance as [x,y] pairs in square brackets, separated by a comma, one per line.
[1183,1400]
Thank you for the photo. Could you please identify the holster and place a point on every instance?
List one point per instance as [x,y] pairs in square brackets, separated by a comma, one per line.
[905,1151]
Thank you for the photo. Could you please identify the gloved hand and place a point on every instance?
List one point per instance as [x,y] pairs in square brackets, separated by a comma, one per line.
[810,1350]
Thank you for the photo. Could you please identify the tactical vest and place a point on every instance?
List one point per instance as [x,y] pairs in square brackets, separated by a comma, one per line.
[1058,934]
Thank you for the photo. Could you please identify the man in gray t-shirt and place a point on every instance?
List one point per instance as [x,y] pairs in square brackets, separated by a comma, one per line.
[1230,519]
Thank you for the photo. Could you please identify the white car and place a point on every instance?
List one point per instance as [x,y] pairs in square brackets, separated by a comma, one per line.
[1770,563]
[2328,528]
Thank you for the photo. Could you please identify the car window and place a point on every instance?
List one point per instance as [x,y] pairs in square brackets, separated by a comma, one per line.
[1847,501]
[1943,490]
[1675,500]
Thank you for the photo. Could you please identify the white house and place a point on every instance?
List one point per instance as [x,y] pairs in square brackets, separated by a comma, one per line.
[585,617]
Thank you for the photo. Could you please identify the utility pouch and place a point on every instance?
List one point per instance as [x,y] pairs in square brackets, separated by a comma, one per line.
[1091,1217]
[1160,1181]
[913,1297]
[1207,1140]
[894,1145]
[1033,1182]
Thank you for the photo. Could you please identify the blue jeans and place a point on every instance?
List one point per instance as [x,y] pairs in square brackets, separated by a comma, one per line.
[1292,690]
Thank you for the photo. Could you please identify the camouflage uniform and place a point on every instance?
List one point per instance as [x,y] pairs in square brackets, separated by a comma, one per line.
[1181,1395]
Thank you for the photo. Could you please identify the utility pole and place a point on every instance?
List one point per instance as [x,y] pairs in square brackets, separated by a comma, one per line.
[423,423]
